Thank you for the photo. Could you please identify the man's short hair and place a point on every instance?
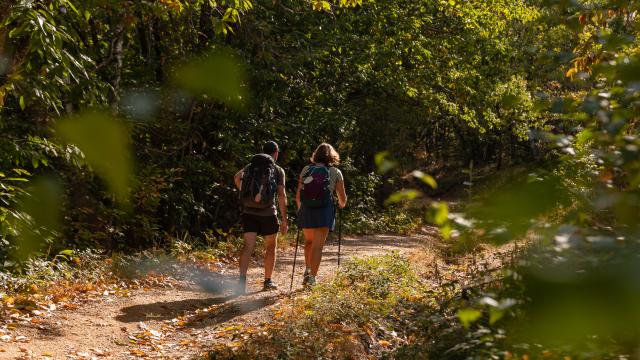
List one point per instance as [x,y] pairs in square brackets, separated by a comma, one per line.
[270,147]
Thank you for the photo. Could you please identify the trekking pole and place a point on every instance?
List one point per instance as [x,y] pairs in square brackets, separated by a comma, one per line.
[295,254]
[339,234]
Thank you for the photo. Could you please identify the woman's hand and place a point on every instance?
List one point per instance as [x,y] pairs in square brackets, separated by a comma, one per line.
[284,227]
[342,195]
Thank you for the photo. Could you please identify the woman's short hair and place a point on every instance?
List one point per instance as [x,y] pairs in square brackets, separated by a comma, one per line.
[325,154]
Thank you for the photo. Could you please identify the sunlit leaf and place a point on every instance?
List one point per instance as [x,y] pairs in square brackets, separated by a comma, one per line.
[427,179]
[67,252]
[403,195]
[440,213]
[468,316]
[383,163]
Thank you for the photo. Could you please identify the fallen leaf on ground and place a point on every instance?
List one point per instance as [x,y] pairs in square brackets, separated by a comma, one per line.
[21,338]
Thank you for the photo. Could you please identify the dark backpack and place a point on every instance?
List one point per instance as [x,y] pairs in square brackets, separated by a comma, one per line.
[259,182]
[316,192]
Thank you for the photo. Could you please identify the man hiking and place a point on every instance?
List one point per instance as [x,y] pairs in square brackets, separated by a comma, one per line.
[260,183]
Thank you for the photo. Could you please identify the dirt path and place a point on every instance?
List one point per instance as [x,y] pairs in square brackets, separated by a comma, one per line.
[181,322]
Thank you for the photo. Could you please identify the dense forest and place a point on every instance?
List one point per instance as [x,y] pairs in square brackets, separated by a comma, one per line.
[123,123]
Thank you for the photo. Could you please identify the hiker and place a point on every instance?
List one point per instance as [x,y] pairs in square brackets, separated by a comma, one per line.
[316,209]
[260,183]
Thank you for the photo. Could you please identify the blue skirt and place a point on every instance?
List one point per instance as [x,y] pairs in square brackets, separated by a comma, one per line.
[317,217]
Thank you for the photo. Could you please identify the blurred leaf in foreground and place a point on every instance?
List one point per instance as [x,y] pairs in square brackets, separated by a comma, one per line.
[583,296]
[383,163]
[468,316]
[218,75]
[40,219]
[512,208]
[104,141]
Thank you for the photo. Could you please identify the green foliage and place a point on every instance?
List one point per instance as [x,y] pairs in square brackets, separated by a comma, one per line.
[368,293]
[434,83]
[571,294]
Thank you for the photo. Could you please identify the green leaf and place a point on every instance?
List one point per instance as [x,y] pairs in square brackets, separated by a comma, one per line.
[67,252]
[446,230]
[70,4]
[468,316]
[427,179]
[42,205]
[383,164]
[104,141]
[22,104]
[403,195]
[583,137]
[440,213]
[218,75]
[495,314]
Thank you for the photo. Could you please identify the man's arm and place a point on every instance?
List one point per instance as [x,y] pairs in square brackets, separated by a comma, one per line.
[282,201]
[237,179]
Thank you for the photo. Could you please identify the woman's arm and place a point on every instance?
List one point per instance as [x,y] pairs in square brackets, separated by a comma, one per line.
[298,191]
[342,195]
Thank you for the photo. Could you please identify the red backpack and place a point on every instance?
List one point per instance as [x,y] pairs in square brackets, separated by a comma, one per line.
[316,192]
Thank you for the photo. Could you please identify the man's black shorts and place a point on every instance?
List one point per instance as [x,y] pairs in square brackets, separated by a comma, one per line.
[263,225]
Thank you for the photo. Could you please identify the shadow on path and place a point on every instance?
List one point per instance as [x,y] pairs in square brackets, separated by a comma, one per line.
[231,310]
[165,310]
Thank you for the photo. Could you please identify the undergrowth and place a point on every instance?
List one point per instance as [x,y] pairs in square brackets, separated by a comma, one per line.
[366,310]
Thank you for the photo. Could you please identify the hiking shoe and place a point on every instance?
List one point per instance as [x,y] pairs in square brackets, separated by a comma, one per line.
[269,285]
[310,281]
[305,277]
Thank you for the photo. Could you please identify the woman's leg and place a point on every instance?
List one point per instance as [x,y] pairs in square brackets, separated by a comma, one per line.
[319,237]
[308,245]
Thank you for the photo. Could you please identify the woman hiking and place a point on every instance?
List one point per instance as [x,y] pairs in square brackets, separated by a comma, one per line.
[317,185]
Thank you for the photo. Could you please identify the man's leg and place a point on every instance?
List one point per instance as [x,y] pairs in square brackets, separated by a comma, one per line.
[247,250]
[270,242]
